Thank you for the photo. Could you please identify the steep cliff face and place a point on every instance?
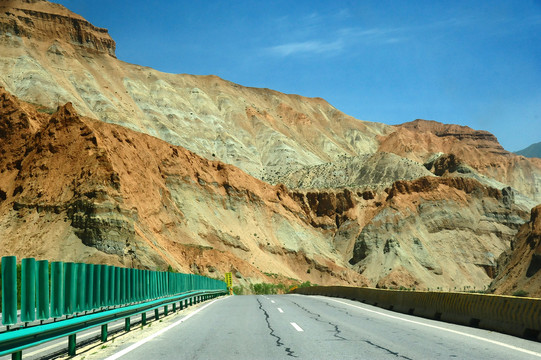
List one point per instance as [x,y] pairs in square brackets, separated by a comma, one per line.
[435,233]
[519,268]
[78,189]
[42,21]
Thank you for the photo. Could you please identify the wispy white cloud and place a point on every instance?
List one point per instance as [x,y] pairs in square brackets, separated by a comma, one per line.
[317,33]
[373,35]
[307,47]
[341,40]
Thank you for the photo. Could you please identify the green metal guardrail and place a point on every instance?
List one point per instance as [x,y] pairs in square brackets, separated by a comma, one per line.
[77,289]
[14,342]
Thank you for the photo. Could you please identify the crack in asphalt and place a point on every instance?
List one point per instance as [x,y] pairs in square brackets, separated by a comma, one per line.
[368,341]
[339,309]
[387,350]
[317,317]
[278,339]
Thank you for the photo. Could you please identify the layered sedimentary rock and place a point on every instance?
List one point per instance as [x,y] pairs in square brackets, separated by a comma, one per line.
[424,141]
[78,189]
[149,169]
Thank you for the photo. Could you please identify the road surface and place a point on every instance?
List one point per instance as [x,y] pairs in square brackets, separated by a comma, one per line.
[313,327]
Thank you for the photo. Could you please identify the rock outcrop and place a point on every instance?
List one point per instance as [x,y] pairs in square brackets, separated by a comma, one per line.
[519,268]
[477,152]
[43,21]
[441,233]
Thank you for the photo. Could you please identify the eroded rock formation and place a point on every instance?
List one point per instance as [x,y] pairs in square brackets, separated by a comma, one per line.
[519,268]
[111,162]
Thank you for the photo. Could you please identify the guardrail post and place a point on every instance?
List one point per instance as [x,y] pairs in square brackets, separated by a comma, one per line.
[138,285]
[81,287]
[111,297]
[156,314]
[127,324]
[28,290]
[181,307]
[144,319]
[9,290]
[72,344]
[132,285]
[17,355]
[165,310]
[57,289]
[42,296]
[89,284]
[104,285]
[174,307]
[118,286]
[103,336]
[69,288]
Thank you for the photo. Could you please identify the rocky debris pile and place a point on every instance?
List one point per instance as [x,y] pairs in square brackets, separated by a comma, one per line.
[372,171]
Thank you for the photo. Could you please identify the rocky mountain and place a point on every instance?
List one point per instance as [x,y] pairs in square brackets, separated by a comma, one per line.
[149,169]
[74,188]
[519,268]
[51,56]
[532,151]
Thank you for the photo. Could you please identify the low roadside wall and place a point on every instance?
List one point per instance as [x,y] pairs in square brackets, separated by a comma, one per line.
[507,314]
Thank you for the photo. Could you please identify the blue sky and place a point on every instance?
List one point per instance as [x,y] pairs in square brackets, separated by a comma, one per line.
[474,63]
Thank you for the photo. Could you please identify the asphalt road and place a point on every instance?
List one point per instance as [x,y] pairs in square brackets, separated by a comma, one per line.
[313,327]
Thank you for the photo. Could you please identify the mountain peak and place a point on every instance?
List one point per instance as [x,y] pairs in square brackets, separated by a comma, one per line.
[44,21]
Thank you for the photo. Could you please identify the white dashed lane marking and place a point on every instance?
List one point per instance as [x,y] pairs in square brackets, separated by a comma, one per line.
[297,327]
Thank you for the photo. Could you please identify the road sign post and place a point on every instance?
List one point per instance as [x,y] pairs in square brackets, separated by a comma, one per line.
[229,282]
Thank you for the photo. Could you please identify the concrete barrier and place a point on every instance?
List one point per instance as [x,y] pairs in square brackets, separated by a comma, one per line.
[507,314]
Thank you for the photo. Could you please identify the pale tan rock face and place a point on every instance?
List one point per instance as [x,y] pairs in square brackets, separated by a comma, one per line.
[422,204]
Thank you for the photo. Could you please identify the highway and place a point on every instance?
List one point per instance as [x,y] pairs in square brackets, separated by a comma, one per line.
[310,327]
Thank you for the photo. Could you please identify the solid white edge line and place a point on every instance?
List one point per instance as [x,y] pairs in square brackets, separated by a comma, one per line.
[297,327]
[443,329]
[157,333]
[280,310]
